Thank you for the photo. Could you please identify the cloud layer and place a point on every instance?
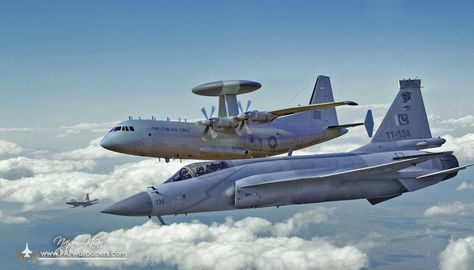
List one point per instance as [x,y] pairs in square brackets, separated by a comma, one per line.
[463,146]
[447,209]
[301,221]
[243,244]
[464,121]
[40,191]
[9,148]
[19,167]
[7,219]
[92,151]
[465,186]
[458,255]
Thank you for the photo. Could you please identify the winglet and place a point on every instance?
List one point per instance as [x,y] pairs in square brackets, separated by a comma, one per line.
[369,123]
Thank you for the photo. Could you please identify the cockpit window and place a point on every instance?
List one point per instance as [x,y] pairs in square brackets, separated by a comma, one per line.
[131,128]
[117,128]
[197,169]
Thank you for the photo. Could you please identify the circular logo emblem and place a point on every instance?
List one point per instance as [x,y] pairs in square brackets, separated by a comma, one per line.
[272,142]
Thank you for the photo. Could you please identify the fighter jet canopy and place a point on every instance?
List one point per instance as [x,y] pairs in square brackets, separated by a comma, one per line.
[197,169]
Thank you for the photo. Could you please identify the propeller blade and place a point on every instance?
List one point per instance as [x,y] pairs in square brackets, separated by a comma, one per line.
[203,110]
[238,128]
[213,109]
[242,126]
[248,130]
[204,133]
[240,106]
[213,133]
[248,105]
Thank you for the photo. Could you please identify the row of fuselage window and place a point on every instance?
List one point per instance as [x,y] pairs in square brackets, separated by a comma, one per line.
[122,128]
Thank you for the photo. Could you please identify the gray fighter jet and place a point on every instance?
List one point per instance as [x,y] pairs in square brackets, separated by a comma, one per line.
[390,165]
[87,202]
[233,135]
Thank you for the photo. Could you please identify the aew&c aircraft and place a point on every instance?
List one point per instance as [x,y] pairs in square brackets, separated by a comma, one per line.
[233,135]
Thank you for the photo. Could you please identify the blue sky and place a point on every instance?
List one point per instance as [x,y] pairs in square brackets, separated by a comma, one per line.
[103,60]
[70,69]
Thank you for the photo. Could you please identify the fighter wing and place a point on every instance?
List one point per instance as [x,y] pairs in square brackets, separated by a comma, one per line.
[368,171]
[311,107]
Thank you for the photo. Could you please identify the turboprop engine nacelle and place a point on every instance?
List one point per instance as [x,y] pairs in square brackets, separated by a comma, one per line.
[222,122]
[257,117]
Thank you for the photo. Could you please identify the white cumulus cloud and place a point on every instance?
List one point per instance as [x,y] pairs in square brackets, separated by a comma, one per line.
[92,151]
[244,244]
[86,127]
[458,255]
[9,148]
[447,209]
[19,167]
[302,221]
[463,146]
[464,121]
[464,186]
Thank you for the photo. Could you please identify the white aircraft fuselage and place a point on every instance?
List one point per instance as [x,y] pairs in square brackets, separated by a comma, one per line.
[182,140]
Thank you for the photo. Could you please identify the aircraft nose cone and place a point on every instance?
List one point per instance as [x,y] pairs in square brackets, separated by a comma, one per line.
[105,143]
[137,205]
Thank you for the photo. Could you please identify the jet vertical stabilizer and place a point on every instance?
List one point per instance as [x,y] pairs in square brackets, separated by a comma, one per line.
[405,126]
[406,118]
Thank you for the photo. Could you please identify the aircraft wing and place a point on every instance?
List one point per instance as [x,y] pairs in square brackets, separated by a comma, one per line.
[345,126]
[311,107]
[368,171]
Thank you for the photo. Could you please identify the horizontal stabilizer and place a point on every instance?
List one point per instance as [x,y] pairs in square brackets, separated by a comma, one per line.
[443,172]
[374,201]
[355,173]
[345,126]
[311,107]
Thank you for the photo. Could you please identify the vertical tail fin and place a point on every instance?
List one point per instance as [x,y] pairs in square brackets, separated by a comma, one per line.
[87,197]
[322,93]
[406,119]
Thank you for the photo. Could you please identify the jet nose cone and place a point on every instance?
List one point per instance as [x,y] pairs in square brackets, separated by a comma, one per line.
[137,205]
